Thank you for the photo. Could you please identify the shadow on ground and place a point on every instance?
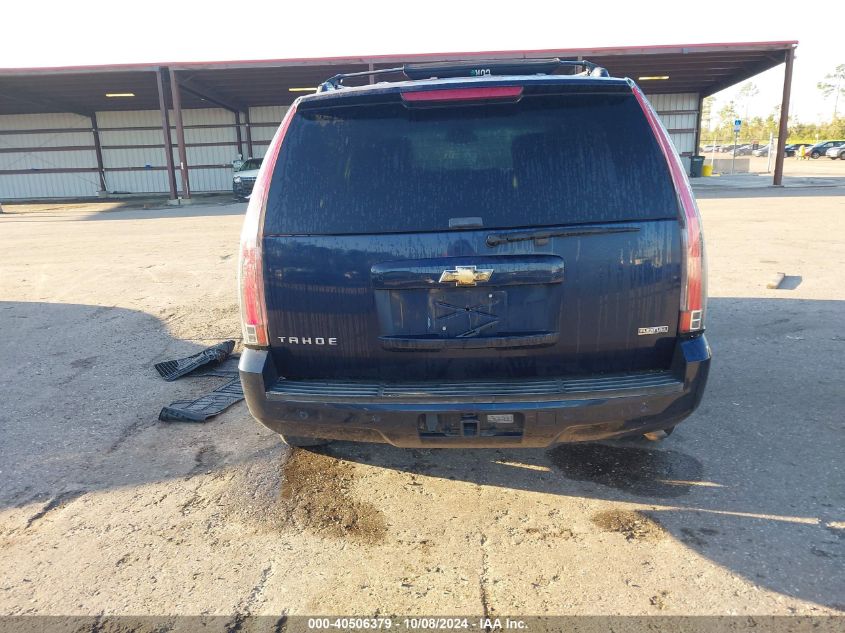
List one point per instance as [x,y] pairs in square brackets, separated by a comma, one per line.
[752,481]
[82,400]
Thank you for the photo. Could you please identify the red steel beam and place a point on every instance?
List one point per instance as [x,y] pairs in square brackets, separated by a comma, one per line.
[51,148]
[98,150]
[73,170]
[698,124]
[248,133]
[165,129]
[159,145]
[238,134]
[51,130]
[661,49]
[784,117]
[50,170]
[176,96]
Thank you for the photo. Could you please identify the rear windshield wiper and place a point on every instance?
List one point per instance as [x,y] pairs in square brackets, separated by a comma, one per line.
[495,239]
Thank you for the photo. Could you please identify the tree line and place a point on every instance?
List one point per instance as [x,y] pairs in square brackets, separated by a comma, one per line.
[718,126]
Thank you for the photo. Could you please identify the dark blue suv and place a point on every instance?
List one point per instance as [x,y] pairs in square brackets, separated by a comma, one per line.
[489,255]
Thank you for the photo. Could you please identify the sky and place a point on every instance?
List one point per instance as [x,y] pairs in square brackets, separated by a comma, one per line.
[108,32]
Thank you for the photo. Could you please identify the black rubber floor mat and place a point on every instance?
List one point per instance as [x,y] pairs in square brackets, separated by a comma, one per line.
[173,369]
[226,369]
[204,407]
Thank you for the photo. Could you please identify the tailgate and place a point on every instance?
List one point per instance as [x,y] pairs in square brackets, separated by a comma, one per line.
[527,238]
[587,304]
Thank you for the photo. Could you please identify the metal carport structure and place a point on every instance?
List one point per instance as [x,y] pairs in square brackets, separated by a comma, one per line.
[75,131]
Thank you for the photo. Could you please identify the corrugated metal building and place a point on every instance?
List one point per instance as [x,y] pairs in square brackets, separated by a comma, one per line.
[53,155]
[76,132]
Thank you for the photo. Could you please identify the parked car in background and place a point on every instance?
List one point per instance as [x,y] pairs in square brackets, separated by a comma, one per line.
[430,263]
[243,180]
[820,149]
[741,149]
[837,151]
[792,148]
[764,151]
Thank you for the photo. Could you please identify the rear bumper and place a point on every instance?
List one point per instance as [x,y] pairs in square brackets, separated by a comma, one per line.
[242,189]
[549,410]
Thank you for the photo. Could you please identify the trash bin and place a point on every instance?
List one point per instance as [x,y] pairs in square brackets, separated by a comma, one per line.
[695,165]
[707,170]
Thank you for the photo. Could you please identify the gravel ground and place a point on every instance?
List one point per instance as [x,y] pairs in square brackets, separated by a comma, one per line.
[105,510]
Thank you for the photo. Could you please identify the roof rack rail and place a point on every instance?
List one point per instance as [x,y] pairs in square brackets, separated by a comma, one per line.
[333,83]
[473,68]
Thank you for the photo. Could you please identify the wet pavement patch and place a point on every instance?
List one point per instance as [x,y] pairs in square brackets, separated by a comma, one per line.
[632,524]
[84,363]
[317,495]
[639,471]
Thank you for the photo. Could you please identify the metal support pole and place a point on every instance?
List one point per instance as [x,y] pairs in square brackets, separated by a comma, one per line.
[238,134]
[784,117]
[769,153]
[175,93]
[98,150]
[733,158]
[165,129]
[248,135]
[698,124]
[372,67]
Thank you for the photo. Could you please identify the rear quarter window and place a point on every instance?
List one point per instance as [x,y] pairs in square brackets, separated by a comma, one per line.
[546,160]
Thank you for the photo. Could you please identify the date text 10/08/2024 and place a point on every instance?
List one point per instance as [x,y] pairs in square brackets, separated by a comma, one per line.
[417,623]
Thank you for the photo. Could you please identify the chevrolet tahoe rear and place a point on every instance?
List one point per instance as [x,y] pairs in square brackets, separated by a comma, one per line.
[486,257]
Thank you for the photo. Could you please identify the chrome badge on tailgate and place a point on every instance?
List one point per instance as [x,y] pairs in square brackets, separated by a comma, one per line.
[466,275]
[655,329]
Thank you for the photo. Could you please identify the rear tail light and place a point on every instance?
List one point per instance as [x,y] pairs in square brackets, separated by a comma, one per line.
[464,94]
[251,264]
[693,270]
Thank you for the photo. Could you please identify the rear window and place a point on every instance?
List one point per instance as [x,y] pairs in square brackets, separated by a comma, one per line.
[546,160]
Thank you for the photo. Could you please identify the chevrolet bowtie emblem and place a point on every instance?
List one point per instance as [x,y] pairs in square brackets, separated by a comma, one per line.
[466,275]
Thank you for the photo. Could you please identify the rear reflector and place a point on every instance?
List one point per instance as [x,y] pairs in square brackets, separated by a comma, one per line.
[693,271]
[464,94]
[251,266]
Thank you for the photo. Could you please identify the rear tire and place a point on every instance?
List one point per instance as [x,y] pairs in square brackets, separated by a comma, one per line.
[297,441]
[660,435]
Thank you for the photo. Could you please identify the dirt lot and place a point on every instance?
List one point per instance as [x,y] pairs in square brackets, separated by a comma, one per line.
[103,509]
